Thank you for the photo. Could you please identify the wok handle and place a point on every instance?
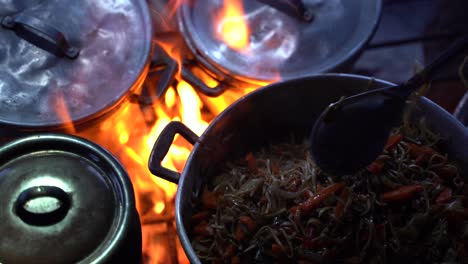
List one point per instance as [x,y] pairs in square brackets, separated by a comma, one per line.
[40,34]
[162,145]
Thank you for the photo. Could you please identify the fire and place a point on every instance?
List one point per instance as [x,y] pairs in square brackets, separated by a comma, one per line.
[130,134]
[232,27]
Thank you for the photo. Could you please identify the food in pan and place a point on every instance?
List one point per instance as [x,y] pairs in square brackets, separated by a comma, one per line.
[276,206]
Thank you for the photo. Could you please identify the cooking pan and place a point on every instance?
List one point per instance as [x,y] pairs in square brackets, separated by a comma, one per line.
[271,115]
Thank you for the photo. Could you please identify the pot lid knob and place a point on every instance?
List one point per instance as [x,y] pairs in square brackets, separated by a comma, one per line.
[42,205]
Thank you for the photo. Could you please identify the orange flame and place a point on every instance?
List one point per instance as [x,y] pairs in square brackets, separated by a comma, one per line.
[232,27]
[129,134]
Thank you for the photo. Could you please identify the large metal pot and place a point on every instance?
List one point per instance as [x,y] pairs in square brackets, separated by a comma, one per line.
[64,62]
[282,40]
[270,115]
[65,200]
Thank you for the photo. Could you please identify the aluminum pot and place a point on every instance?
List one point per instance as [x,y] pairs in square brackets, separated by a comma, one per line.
[280,42]
[69,62]
[65,200]
[270,115]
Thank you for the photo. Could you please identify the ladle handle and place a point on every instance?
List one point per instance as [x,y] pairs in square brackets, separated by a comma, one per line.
[428,72]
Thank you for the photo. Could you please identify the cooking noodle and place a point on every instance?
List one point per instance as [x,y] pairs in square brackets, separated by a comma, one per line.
[277,206]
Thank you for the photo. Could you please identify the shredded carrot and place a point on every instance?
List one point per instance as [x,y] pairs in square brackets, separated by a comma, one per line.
[339,209]
[251,162]
[296,214]
[209,199]
[315,201]
[235,260]
[274,168]
[445,172]
[203,229]
[445,196]
[402,193]
[420,153]
[239,233]
[276,249]
[230,251]
[376,167]
[248,222]
[393,141]
[198,217]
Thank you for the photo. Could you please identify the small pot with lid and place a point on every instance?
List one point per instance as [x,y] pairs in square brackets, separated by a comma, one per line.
[69,61]
[65,199]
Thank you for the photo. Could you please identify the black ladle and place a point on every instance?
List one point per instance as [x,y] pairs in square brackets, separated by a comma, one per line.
[352,132]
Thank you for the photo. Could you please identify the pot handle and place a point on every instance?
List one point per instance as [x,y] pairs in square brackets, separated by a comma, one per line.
[41,214]
[162,145]
[40,34]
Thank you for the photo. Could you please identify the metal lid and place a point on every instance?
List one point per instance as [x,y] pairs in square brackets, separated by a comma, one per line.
[63,198]
[69,59]
[280,43]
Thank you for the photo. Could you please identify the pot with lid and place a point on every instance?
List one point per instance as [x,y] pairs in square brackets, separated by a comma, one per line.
[286,39]
[65,199]
[69,61]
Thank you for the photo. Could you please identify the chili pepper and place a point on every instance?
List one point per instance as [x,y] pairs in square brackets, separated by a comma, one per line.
[402,193]
[445,196]
[315,201]
[203,229]
[339,209]
[251,162]
[209,199]
[393,141]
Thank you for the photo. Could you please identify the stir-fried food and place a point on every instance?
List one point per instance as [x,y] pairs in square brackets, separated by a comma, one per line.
[275,206]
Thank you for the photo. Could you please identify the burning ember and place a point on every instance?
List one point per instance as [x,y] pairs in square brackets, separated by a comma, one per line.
[130,134]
